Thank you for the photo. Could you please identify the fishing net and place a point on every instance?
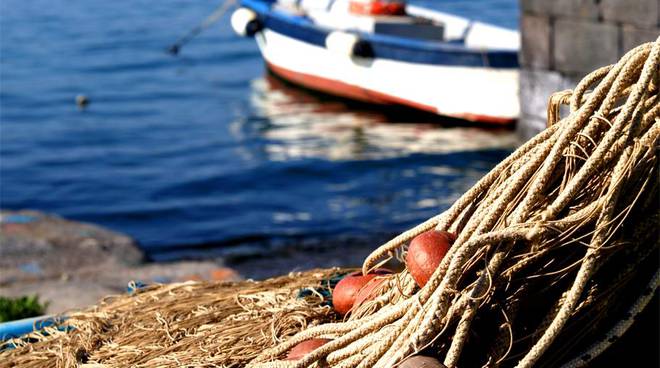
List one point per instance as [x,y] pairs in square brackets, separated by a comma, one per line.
[192,324]
[556,252]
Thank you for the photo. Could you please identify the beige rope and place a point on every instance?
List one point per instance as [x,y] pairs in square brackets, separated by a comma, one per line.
[538,239]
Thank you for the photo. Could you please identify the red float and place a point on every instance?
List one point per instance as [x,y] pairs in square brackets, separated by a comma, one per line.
[368,292]
[425,253]
[378,7]
[345,293]
[305,347]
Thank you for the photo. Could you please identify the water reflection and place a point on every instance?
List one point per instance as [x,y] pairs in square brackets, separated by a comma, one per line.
[193,153]
[299,124]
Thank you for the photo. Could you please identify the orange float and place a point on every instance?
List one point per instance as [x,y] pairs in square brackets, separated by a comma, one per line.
[368,292]
[305,347]
[420,361]
[345,293]
[425,253]
[377,7]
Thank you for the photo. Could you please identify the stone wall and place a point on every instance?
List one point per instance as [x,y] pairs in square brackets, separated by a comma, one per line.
[563,40]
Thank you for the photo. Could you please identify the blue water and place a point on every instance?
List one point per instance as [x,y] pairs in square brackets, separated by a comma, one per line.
[205,148]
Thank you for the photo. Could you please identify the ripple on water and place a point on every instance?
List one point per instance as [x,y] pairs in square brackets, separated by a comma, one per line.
[206,153]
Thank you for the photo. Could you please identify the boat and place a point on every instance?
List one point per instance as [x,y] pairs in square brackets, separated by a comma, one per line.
[302,125]
[413,56]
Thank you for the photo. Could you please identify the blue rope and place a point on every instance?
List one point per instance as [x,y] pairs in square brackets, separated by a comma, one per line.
[327,285]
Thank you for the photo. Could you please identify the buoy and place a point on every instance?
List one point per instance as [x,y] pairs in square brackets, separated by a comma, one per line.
[347,289]
[245,22]
[348,44]
[368,292]
[378,7]
[420,361]
[305,347]
[425,253]
[341,43]
[191,277]
[82,101]
[224,274]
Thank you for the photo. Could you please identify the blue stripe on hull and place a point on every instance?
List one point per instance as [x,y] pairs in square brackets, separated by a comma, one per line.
[384,47]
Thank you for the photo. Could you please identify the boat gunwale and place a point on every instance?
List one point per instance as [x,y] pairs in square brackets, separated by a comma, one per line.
[386,46]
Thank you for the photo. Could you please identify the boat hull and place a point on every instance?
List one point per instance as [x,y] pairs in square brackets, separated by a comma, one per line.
[488,95]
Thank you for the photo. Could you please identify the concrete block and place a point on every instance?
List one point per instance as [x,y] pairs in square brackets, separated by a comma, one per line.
[529,126]
[535,51]
[634,36]
[536,87]
[582,46]
[581,9]
[537,7]
[642,13]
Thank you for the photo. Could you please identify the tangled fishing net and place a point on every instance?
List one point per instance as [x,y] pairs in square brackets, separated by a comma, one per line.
[556,252]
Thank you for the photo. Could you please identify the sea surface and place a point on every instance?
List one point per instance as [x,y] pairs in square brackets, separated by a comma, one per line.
[205,154]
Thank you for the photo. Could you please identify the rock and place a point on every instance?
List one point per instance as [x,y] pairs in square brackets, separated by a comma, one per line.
[72,265]
[82,101]
[61,244]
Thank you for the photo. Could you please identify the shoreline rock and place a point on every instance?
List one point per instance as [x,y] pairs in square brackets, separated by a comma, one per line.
[72,265]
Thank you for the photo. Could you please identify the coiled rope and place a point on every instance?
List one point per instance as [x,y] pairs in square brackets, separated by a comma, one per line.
[560,209]
[556,253]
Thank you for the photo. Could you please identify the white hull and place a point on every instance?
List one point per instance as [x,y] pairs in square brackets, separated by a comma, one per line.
[474,93]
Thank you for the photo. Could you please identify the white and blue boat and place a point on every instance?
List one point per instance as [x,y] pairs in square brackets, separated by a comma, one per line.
[424,59]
